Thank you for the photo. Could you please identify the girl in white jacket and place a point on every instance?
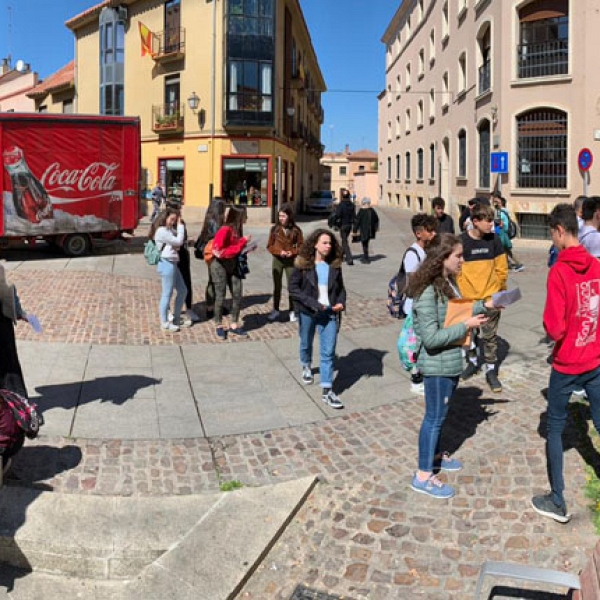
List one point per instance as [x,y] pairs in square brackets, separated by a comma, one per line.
[168,233]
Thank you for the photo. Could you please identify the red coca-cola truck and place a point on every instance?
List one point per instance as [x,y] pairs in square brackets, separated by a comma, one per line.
[69,179]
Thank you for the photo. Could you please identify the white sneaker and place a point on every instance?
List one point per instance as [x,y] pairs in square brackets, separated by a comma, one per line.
[273,316]
[185,322]
[192,316]
[293,317]
[170,327]
[417,388]
[170,317]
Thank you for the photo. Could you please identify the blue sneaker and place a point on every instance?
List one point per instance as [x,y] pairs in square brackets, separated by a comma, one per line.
[432,487]
[447,463]
[221,333]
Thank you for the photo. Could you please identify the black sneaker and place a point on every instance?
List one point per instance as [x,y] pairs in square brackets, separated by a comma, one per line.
[518,268]
[544,505]
[492,379]
[332,399]
[470,370]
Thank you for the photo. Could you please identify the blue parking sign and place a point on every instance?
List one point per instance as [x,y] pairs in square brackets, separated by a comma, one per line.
[499,162]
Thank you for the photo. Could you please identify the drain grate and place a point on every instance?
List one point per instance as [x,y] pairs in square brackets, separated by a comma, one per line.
[304,593]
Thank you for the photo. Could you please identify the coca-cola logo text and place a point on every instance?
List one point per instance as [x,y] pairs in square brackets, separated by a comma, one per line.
[97,176]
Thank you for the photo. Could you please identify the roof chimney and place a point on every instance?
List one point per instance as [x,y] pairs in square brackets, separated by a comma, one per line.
[4,66]
[347,149]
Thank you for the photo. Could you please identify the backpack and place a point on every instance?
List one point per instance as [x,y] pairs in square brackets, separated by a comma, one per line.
[552,255]
[199,247]
[512,227]
[408,344]
[397,289]
[151,253]
[25,412]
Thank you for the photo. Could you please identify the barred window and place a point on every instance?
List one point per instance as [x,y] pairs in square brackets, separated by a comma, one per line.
[462,153]
[484,155]
[543,48]
[542,149]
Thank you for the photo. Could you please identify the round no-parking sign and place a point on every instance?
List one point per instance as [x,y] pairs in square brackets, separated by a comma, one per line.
[585,159]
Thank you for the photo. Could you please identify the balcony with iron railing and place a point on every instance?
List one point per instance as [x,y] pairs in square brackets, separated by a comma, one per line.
[168,45]
[543,59]
[168,118]
[485,72]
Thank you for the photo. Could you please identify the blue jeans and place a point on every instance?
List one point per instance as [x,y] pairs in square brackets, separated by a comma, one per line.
[171,280]
[560,388]
[326,324]
[438,391]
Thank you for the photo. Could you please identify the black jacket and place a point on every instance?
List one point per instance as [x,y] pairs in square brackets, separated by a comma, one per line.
[345,214]
[304,286]
[366,223]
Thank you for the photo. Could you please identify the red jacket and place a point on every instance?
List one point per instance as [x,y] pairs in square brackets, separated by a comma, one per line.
[227,244]
[571,311]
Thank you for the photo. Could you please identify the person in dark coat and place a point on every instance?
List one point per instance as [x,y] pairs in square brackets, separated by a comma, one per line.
[366,225]
[445,221]
[344,215]
[11,374]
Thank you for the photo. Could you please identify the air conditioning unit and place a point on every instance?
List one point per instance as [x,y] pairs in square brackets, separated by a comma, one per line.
[122,13]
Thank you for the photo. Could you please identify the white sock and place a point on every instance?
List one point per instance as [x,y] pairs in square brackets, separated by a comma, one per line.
[473,359]
[490,367]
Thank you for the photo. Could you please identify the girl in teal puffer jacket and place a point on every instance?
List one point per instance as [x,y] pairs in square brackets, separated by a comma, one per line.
[440,356]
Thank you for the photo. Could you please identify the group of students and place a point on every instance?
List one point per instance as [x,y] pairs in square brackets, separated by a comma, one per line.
[451,269]
[440,268]
[317,295]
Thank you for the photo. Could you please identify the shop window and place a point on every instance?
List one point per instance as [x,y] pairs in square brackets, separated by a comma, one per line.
[246,181]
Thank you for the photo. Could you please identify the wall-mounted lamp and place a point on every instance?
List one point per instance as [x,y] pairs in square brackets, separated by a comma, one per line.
[194,102]
[291,111]
[494,111]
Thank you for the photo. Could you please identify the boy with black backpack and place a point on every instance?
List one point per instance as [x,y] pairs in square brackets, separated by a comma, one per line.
[424,228]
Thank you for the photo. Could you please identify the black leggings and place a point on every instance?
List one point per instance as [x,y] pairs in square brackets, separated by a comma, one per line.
[186,274]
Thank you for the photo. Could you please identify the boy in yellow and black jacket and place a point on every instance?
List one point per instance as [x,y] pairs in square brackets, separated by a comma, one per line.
[484,272]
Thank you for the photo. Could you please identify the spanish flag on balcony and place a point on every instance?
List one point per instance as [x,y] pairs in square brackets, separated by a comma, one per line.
[146,36]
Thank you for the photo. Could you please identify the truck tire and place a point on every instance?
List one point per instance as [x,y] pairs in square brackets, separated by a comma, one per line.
[77,244]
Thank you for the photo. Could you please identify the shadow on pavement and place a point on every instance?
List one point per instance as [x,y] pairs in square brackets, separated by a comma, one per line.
[115,389]
[32,464]
[467,410]
[36,463]
[361,362]
[502,591]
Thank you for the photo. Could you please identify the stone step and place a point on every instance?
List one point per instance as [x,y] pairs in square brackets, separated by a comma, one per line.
[203,546]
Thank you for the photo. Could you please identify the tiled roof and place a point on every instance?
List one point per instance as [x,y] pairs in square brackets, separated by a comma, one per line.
[63,78]
[362,155]
[73,21]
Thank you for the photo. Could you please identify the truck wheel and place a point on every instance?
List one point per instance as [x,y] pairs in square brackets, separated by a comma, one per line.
[77,244]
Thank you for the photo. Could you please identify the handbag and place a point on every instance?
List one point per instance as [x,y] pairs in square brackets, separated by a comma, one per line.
[409,344]
[241,267]
[208,252]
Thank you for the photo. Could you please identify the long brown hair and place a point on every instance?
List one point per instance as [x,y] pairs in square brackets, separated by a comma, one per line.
[289,211]
[236,215]
[161,220]
[308,251]
[431,271]
[214,214]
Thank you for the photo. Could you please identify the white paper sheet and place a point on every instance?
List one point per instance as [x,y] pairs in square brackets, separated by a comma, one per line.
[506,297]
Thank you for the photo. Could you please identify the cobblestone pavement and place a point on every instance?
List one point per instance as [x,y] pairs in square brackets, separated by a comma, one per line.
[362,533]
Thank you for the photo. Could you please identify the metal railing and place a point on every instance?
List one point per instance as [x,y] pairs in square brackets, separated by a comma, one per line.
[169,42]
[543,59]
[534,226]
[168,117]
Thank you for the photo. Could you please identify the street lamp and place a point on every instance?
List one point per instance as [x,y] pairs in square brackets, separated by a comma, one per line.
[194,102]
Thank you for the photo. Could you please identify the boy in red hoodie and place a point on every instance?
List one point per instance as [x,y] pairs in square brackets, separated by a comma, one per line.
[571,320]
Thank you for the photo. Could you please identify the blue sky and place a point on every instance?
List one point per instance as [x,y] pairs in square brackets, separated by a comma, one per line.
[346,35]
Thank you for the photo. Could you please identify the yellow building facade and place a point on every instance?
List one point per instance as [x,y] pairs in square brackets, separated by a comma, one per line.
[228,93]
